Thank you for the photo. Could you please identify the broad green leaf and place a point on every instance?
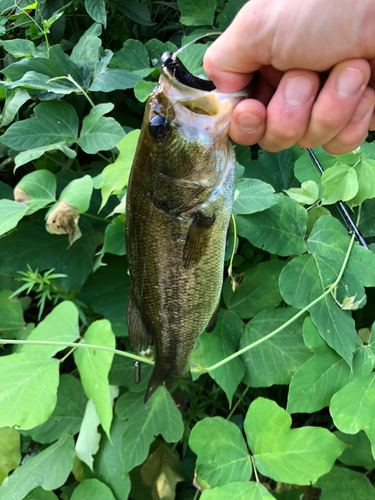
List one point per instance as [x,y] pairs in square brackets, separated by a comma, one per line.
[122,374]
[106,292]
[60,325]
[144,421]
[275,168]
[280,229]
[32,244]
[366,182]
[49,469]
[340,183]
[143,89]
[222,454]
[116,175]
[252,195]
[78,193]
[257,289]
[358,452]
[88,440]
[33,154]
[313,215]
[37,81]
[229,12]
[14,100]
[92,489]
[192,58]
[10,451]
[93,366]
[345,484]
[28,389]
[67,416]
[297,456]
[40,494]
[96,10]
[352,408]
[306,170]
[89,45]
[238,491]
[114,237]
[195,13]
[40,189]
[11,316]
[221,343]
[133,57]
[367,222]
[99,133]
[20,48]
[156,48]
[315,382]
[135,10]
[114,79]
[277,359]
[108,465]
[54,122]
[307,194]
[11,212]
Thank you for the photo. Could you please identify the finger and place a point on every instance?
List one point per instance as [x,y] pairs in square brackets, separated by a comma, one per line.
[288,112]
[248,122]
[356,130]
[336,102]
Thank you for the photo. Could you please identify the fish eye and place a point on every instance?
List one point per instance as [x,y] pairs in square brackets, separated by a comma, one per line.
[159,127]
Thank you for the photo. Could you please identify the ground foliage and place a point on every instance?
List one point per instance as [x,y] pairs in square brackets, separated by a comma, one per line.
[291,418]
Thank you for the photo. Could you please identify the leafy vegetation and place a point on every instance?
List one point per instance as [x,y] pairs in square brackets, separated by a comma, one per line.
[292,415]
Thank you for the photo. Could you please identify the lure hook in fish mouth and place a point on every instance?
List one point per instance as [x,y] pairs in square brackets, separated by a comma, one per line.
[172,63]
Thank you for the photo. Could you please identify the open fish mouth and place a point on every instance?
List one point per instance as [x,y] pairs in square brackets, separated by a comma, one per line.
[172,64]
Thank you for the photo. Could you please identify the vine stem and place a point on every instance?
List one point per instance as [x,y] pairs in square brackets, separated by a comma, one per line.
[238,402]
[254,468]
[71,79]
[197,370]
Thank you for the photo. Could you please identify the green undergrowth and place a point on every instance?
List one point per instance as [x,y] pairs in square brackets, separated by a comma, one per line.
[291,416]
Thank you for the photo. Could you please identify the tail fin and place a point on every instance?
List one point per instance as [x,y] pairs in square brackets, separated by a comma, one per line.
[153,384]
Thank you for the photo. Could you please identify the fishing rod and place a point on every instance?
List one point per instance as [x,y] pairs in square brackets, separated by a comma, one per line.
[352,228]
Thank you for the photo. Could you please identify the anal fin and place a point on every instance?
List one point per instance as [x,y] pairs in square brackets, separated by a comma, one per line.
[139,338]
[197,239]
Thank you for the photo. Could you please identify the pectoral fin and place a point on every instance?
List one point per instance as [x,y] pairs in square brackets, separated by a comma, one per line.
[139,338]
[197,239]
[212,323]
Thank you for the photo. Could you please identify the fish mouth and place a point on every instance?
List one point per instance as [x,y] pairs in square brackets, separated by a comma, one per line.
[172,64]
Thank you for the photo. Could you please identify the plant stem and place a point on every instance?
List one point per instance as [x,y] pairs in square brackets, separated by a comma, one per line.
[44,28]
[96,217]
[71,79]
[254,468]
[238,402]
[67,355]
[196,495]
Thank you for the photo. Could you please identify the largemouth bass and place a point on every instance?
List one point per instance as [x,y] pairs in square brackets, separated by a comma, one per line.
[178,209]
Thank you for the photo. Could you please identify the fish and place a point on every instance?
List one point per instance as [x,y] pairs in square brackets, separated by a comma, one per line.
[178,211]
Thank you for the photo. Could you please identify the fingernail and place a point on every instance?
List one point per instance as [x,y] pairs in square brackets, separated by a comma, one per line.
[349,82]
[249,123]
[362,109]
[298,91]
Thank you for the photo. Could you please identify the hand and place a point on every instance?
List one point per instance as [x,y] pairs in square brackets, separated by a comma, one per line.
[328,101]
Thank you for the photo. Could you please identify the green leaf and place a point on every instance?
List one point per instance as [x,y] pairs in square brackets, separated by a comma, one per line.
[340,183]
[195,13]
[280,229]
[313,215]
[14,100]
[345,484]
[41,494]
[314,383]
[49,469]
[92,489]
[135,11]
[114,237]
[252,195]
[88,439]
[96,10]
[219,344]
[60,325]
[78,193]
[11,316]
[306,170]
[358,452]
[222,454]
[29,385]
[11,213]
[133,57]
[257,289]
[122,374]
[276,360]
[275,168]
[89,45]
[144,421]
[116,175]
[54,122]
[143,89]
[238,491]
[297,456]
[366,182]
[114,79]
[10,451]
[67,416]
[229,12]
[352,408]
[307,194]
[156,48]
[99,133]
[367,222]
[20,48]
[33,154]
[93,366]
[38,189]
[192,58]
